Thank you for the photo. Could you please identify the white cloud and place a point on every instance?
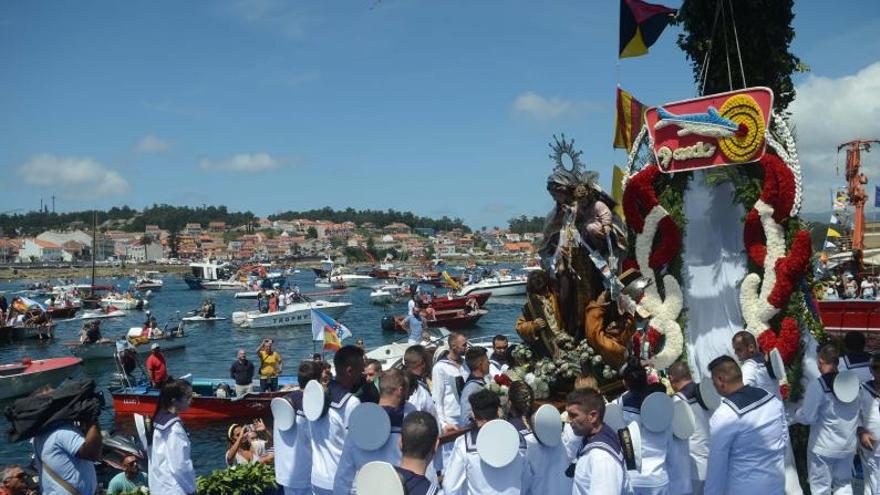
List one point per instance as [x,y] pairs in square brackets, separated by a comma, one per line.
[244,162]
[275,15]
[827,112]
[543,109]
[75,177]
[152,144]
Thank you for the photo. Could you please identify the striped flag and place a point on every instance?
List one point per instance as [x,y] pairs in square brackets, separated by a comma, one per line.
[628,121]
[328,330]
[640,25]
[617,190]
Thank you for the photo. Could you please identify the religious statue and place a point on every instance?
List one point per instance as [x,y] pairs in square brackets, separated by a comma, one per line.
[541,320]
[581,236]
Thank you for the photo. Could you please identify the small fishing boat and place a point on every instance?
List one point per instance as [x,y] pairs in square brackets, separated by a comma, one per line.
[382,297]
[444,303]
[63,312]
[108,349]
[352,280]
[22,378]
[149,281]
[294,314]
[103,313]
[198,318]
[223,285]
[124,302]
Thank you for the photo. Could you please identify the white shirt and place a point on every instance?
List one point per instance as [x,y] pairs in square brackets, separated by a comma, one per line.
[445,391]
[747,451]
[496,368]
[354,458]
[867,289]
[415,329]
[547,464]
[328,436]
[859,363]
[679,467]
[869,415]
[754,372]
[655,447]
[466,474]
[171,469]
[293,450]
[832,423]
[421,399]
[471,386]
[570,441]
[600,468]
[698,444]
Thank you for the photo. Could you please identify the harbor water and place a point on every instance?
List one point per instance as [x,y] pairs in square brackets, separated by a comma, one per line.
[212,348]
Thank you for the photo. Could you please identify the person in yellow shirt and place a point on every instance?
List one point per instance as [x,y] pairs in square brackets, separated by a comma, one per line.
[270,366]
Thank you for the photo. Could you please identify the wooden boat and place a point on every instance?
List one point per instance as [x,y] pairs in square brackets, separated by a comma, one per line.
[60,312]
[43,331]
[206,406]
[444,303]
[22,378]
[107,350]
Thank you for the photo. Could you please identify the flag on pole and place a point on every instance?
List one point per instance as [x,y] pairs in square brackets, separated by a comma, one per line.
[617,190]
[840,200]
[640,25]
[829,245]
[628,120]
[328,330]
[832,233]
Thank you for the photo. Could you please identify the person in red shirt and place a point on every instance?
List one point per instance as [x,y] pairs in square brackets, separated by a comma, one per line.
[156,369]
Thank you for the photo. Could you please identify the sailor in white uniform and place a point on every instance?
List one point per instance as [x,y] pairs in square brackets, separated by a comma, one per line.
[833,424]
[415,361]
[499,360]
[869,431]
[856,359]
[653,477]
[748,436]
[478,363]
[467,474]
[599,466]
[393,388]
[698,445]
[755,371]
[328,432]
[447,380]
[293,448]
[418,443]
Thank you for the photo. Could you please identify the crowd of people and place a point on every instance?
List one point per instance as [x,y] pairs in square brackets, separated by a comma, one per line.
[278,298]
[847,287]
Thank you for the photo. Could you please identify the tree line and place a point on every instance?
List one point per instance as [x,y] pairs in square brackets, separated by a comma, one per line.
[523,224]
[379,218]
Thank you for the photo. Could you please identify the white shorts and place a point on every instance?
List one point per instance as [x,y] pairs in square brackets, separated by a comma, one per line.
[828,475]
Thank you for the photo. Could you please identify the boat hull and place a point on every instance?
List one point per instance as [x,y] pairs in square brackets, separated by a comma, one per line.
[38,374]
[107,350]
[843,315]
[513,288]
[202,408]
[298,315]
[63,311]
[459,302]
[125,303]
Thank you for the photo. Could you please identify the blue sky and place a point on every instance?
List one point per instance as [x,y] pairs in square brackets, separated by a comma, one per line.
[443,108]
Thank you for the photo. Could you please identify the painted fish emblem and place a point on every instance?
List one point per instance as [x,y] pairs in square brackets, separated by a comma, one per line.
[710,124]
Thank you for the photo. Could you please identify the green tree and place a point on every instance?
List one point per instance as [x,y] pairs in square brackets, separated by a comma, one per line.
[312,233]
[764,31]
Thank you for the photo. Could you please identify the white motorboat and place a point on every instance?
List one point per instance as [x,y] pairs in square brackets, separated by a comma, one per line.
[149,281]
[224,285]
[294,314]
[352,280]
[196,319]
[252,294]
[504,285]
[120,302]
[100,314]
[22,378]
[381,297]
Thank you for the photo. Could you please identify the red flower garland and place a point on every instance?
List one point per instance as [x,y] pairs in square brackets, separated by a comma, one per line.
[790,268]
[787,340]
[754,238]
[670,243]
[654,338]
[779,186]
[639,197]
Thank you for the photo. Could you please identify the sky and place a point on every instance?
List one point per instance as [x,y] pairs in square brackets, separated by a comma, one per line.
[441,108]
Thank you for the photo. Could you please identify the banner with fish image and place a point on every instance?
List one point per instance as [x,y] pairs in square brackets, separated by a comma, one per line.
[711,131]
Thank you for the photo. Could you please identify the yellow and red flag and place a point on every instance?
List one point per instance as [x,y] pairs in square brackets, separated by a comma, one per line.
[629,120]
[640,25]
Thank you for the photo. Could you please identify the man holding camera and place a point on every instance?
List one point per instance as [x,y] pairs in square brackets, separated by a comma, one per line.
[65,457]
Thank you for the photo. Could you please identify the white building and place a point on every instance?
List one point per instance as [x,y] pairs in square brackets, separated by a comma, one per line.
[33,250]
[144,252]
[60,238]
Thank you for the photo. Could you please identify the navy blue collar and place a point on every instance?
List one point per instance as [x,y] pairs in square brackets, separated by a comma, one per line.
[869,387]
[747,399]
[339,395]
[827,382]
[632,402]
[859,359]
[605,439]
[415,484]
[395,415]
[296,399]
[691,394]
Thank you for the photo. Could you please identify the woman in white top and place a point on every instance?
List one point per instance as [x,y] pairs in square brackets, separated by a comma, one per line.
[171,469]
[245,446]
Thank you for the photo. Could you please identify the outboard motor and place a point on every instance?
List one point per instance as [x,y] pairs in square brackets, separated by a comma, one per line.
[388,323]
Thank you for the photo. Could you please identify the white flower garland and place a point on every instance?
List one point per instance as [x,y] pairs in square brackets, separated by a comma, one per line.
[664,311]
[787,151]
[757,311]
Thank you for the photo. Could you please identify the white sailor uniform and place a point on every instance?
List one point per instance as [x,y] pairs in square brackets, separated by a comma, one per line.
[653,478]
[421,398]
[571,442]
[869,413]
[293,452]
[447,380]
[698,444]
[599,466]
[832,440]
[416,484]
[471,386]
[327,436]
[547,463]
[859,363]
[467,474]
[171,468]
[756,374]
[747,448]
[496,367]
[354,458]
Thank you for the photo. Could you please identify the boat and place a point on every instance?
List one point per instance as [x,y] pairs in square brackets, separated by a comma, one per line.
[124,302]
[149,281]
[391,355]
[108,349]
[500,285]
[197,319]
[103,313]
[206,406]
[205,272]
[22,378]
[326,268]
[352,280]
[63,312]
[229,284]
[383,297]
[443,303]
[452,319]
[294,314]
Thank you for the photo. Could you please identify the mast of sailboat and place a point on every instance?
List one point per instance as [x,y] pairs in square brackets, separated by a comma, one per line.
[94,246]
[855,181]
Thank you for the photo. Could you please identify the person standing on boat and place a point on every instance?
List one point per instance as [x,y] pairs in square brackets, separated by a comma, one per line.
[242,371]
[415,324]
[171,469]
[157,371]
[698,445]
[447,381]
[498,361]
[270,366]
[262,301]
[415,361]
